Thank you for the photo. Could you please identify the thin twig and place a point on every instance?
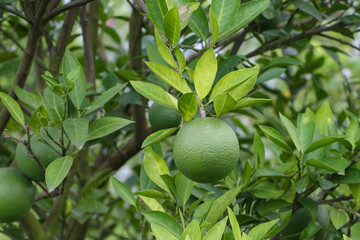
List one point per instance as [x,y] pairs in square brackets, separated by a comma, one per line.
[50,15]
[328,201]
[339,40]
[14,11]
[13,40]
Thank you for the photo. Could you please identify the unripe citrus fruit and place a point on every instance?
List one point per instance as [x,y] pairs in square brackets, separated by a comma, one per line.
[206,150]
[161,117]
[46,154]
[17,195]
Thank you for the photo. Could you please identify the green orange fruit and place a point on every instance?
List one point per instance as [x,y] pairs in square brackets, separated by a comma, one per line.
[17,195]
[206,150]
[161,117]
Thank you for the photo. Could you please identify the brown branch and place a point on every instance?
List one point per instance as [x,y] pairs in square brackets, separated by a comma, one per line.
[53,13]
[88,46]
[58,51]
[282,42]
[34,35]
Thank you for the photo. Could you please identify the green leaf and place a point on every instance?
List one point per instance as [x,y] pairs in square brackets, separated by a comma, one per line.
[165,221]
[197,202]
[186,11]
[152,203]
[308,8]
[161,233]
[199,24]
[38,120]
[353,132]
[234,225]
[28,98]
[205,72]
[77,131]
[187,106]
[233,80]
[269,172]
[275,137]
[245,14]
[338,217]
[106,125]
[306,128]
[323,142]
[13,107]
[192,231]
[77,95]
[280,62]
[169,76]
[214,26]
[292,131]
[224,103]
[355,231]
[158,136]
[301,185]
[54,105]
[180,59]
[355,191]
[57,171]
[104,98]
[123,191]
[184,187]
[244,88]
[155,166]
[323,117]
[152,193]
[216,231]
[260,231]
[157,11]
[332,164]
[224,11]
[270,74]
[249,102]
[265,190]
[155,93]
[221,204]
[145,182]
[352,175]
[164,50]
[259,150]
[172,26]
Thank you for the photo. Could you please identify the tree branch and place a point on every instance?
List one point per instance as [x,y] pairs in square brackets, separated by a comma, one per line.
[22,73]
[53,13]
[58,51]
[88,46]
[282,42]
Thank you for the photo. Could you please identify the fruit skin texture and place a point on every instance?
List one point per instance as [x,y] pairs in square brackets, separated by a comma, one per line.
[162,117]
[17,195]
[45,153]
[206,150]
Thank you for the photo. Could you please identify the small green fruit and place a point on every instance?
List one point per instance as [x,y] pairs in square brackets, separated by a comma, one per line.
[17,195]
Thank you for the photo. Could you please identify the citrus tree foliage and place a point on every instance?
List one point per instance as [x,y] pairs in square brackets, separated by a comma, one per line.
[76,82]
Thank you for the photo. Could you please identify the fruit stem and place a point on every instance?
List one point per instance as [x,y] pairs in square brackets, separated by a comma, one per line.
[202,111]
